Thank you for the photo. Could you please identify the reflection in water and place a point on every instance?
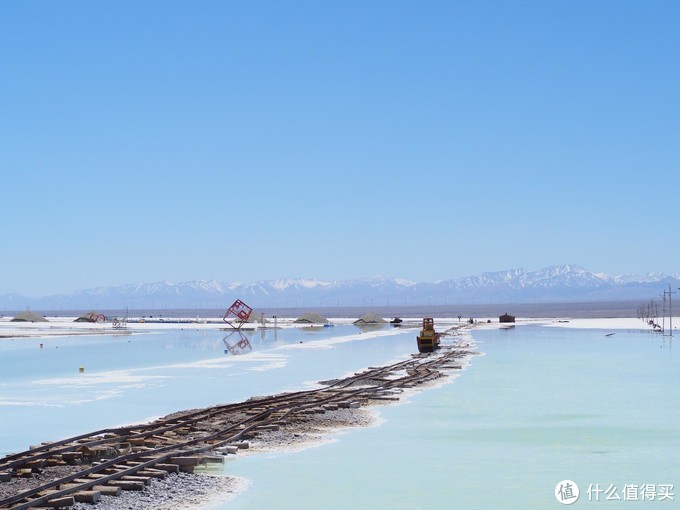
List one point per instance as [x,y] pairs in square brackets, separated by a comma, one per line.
[240,345]
[264,334]
[369,328]
[311,329]
[249,340]
[239,341]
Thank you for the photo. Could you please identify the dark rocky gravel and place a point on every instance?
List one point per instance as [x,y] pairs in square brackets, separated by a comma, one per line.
[177,491]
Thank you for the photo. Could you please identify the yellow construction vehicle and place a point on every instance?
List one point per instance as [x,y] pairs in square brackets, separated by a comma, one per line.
[428,340]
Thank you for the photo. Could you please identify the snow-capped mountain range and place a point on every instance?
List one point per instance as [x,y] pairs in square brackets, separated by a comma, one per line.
[566,283]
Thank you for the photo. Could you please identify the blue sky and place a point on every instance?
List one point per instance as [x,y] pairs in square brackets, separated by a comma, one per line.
[167,140]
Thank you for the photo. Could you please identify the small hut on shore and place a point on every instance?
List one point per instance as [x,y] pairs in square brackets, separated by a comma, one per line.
[370,319]
[506,318]
[311,318]
[28,316]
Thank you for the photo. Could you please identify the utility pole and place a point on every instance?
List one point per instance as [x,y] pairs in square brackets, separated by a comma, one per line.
[648,313]
[663,319]
[670,309]
[656,313]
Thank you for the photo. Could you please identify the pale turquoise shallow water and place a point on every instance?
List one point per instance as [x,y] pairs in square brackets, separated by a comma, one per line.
[543,405]
[132,378]
[540,406]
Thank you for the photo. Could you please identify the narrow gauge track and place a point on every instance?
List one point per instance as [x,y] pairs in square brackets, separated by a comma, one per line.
[109,460]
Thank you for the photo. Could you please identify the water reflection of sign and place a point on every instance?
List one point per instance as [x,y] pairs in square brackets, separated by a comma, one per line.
[241,347]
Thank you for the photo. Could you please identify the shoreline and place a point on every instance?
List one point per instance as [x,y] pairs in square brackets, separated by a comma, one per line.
[585,309]
[59,327]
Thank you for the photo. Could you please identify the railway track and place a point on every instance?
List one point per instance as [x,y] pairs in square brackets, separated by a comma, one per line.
[107,461]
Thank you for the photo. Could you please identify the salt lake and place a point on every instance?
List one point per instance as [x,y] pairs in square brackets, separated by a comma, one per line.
[541,406]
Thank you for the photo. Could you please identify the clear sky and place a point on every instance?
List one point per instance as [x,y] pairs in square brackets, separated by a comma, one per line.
[249,140]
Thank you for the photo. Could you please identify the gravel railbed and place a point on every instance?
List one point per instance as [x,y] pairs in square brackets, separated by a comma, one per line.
[303,431]
[176,491]
[18,485]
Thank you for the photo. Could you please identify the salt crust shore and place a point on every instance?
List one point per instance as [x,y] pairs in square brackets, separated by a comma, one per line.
[628,323]
[60,326]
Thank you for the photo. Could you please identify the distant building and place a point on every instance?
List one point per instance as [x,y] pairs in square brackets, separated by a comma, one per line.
[506,318]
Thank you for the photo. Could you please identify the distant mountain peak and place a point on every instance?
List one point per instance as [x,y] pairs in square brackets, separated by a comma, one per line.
[566,282]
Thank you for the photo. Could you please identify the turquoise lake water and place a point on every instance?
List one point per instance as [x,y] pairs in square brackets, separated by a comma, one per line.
[540,406]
